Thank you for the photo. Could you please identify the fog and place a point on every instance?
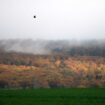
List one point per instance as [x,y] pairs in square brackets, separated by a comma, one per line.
[55,19]
[43,47]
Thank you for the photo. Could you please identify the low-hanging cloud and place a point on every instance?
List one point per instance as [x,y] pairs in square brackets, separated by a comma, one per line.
[52,46]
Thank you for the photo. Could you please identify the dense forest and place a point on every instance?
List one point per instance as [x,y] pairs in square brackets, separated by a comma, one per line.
[51,64]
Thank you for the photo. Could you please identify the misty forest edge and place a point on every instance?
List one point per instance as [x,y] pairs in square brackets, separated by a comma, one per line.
[52,64]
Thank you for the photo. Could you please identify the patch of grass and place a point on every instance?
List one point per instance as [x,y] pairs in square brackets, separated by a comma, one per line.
[77,96]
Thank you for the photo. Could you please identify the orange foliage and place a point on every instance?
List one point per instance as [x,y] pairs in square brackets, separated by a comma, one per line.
[70,72]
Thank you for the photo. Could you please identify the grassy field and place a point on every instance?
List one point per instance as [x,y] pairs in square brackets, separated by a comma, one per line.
[92,96]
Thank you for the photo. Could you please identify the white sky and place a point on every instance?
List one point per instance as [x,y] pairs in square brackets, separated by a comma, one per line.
[56,19]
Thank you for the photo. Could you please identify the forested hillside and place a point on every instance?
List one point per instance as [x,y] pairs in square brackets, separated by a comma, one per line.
[63,66]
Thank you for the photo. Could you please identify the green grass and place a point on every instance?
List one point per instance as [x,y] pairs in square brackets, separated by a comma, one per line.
[78,96]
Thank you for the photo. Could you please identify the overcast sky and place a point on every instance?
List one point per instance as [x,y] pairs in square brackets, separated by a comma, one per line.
[56,19]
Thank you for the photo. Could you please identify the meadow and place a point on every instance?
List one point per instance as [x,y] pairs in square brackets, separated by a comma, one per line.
[57,96]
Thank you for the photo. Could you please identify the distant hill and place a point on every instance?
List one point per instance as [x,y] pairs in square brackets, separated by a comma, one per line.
[52,64]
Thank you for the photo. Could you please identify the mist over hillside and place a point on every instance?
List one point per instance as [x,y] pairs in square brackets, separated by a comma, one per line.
[52,63]
[69,47]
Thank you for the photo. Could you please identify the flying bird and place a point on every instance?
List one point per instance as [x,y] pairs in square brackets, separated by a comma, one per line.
[34,16]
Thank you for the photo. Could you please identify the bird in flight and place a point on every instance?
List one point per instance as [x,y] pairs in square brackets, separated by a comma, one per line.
[34,16]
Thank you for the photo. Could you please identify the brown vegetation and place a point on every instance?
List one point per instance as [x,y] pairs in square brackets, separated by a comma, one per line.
[34,71]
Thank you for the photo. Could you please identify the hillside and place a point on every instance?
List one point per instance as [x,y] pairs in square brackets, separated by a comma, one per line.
[64,65]
[51,71]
